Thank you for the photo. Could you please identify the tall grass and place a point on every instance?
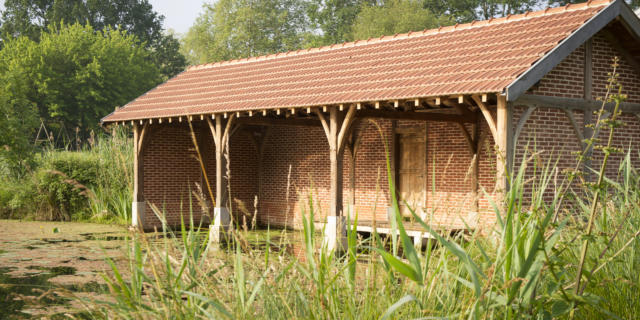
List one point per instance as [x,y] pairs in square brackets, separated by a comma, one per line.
[93,183]
[536,263]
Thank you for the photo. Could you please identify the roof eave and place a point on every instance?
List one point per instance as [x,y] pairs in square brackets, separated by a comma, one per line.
[571,43]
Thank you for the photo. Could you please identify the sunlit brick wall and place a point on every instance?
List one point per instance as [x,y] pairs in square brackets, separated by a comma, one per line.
[550,132]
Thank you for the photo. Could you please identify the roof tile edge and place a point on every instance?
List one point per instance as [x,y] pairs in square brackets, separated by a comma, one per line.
[412,34]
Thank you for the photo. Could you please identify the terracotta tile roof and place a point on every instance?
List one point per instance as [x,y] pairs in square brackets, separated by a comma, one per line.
[478,57]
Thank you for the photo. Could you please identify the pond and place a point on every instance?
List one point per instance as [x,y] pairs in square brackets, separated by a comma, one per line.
[46,268]
[43,263]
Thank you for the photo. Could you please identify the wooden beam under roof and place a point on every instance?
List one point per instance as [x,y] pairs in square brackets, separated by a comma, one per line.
[411,115]
[310,122]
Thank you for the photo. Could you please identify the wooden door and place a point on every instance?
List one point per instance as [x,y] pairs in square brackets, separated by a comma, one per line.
[412,170]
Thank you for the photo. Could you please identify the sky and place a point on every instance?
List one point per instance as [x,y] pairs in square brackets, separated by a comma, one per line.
[179,15]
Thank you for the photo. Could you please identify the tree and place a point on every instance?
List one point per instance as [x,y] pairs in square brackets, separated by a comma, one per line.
[334,19]
[75,74]
[395,16]
[18,115]
[31,17]
[230,29]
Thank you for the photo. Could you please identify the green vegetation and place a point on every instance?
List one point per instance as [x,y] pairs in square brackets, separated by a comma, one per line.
[31,18]
[76,74]
[92,184]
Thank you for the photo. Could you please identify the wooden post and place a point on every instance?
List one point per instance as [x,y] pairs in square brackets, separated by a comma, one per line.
[221,164]
[502,133]
[222,217]
[475,185]
[337,130]
[473,145]
[335,157]
[138,204]
[588,111]
[353,142]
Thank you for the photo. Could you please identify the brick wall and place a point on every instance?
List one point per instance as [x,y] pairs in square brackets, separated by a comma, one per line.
[549,130]
[171,172]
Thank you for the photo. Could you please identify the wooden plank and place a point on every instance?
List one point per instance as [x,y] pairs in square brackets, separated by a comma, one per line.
[412,115]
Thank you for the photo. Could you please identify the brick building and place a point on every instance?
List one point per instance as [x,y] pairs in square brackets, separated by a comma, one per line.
[452,107]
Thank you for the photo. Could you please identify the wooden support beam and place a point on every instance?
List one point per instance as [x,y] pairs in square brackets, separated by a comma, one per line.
[587,119]
[279,122]
[221,133]
[138,207]
[345,127]
[576,128]
[325,124]
[337,130]
[467,137]
[353,143]
[573,103]
[487,116]
[412,115]
[521,122]
[139,133]
[475,168]
[502,132]
[473,145]
[335,158]
[259,136]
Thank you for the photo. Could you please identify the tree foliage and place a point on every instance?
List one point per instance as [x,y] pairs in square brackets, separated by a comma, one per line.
[18,115]
[395,16]
[334,19]
[74,74]
[31,17]
[230,29]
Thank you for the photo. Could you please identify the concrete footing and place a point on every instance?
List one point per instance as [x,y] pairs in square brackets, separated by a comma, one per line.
[335,234]
[137,214]
[221,224]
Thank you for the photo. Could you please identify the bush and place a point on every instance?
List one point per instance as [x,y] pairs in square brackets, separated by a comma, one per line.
[74,185]
[64,180]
